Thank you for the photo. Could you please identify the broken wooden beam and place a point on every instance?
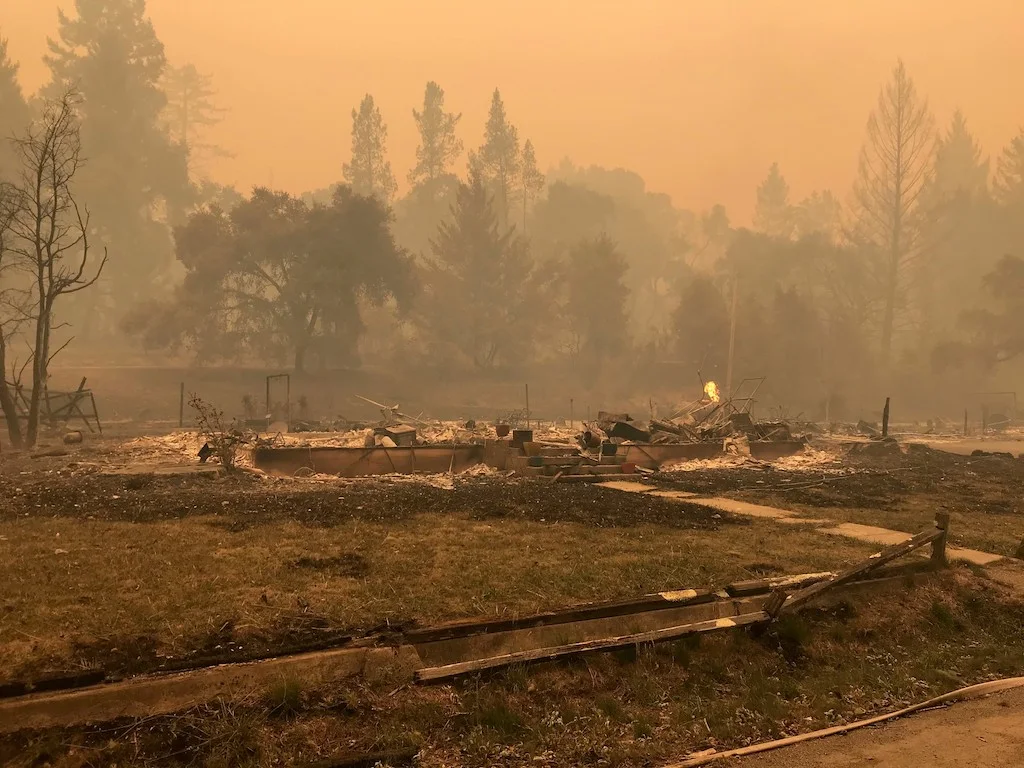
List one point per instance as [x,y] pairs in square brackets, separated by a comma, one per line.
[603,610]
[862,568]
[450,671]
[760,586]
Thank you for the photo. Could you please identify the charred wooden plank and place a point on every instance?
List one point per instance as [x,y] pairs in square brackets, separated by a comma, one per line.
[864,567]
[449,671]
[602,610]
[760,586]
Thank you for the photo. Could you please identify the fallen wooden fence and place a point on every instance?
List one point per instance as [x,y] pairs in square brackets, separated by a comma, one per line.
[937,537]
[809,586]
[585,612]
[436,674]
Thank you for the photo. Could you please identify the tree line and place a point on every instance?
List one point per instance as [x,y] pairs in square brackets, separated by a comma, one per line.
[495,265]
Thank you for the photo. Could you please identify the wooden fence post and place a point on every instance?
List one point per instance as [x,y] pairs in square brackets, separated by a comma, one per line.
[939,545]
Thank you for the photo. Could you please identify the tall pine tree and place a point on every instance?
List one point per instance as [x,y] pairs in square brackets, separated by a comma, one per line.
[895,163]
[480,296]
[369,171]
[531,179]
[959,164]
[136,180]
[1009,181]
[957,232]
[439,146]
[773,214]
[498,159]
[191,110]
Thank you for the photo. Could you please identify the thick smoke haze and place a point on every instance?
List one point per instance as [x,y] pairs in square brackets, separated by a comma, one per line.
[698,97]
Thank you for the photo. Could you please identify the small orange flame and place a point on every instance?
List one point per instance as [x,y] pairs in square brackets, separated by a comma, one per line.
[711,392]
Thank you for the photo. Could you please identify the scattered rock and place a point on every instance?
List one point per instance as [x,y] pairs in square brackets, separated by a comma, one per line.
[73,438]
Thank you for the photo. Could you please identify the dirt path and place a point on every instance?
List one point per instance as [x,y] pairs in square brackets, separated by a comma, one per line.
[987,733]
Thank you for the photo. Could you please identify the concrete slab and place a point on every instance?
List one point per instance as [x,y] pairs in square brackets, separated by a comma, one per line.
[967,447]
[628,486]
[870,533]
[744,508]
[887,538]
[972,556]
[672,494]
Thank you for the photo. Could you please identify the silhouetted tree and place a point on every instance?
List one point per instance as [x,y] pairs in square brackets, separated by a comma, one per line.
[595,308]
[960,233]
[1009,180]
[277,277]
[894,165]
[136,174]
[439,146]
[482,299]
[531,179]
[567,214]
[648,231]
[996,333]
[817,214]
[498,159]
[191,110]
[47,235]
[13,309]
[434,186]
[369,171]
[773,214]
[701,327]
[14,112]
[959,166]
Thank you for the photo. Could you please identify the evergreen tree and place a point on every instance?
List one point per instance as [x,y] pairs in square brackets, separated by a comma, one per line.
[498,159]
[136,176]
[894,167]
[817,214]
[439,146]
[957,231]
[596,303]
[773,214]
[532,179]
[1009,181]
[14,112]
[369,172]
[481,296]
[190,110]
[959,165]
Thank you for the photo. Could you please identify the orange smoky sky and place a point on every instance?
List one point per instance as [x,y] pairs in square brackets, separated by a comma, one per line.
[698,96]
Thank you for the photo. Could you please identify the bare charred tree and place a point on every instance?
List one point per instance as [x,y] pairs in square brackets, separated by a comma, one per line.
[11,311]
[894,165]
[47,236]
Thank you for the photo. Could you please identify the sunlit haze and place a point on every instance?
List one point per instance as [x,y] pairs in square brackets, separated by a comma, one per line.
[698,97]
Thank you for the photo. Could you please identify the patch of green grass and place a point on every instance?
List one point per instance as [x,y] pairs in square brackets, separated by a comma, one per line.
[643,727]
[610,706]
[498,716]
[284,698]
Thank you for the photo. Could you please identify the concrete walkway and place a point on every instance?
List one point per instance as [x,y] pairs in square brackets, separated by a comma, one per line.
[987,733]
[868,533]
